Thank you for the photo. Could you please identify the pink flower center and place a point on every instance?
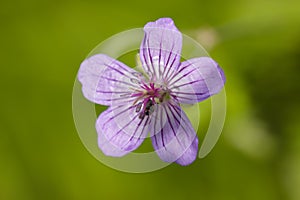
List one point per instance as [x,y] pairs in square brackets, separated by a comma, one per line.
[147,98]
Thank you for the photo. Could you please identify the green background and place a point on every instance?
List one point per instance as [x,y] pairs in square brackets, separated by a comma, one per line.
[256,42]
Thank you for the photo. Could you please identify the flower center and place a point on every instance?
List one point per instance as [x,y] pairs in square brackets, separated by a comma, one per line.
[147,99]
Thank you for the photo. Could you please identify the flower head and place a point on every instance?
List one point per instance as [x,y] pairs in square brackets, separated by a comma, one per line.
[149,102]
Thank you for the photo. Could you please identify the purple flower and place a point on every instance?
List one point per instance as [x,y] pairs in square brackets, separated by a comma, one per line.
[149,102]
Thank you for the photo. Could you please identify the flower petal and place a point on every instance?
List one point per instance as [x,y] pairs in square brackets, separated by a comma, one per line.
[196,80]
[107,81]
[161,48]
[120,130]
[172,135]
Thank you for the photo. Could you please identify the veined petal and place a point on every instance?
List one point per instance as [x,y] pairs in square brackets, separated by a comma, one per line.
[107,81]
[172,135]
[120,130]
[196,80]
[161,48]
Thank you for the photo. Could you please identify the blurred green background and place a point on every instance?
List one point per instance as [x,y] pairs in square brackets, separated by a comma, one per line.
[256,42]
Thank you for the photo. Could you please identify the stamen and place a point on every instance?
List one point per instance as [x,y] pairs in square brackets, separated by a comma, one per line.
[152,93]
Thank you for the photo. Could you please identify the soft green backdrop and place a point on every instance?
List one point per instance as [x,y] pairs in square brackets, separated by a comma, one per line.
[256,42]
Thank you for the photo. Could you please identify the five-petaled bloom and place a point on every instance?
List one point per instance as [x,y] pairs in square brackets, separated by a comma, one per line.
[149,102]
